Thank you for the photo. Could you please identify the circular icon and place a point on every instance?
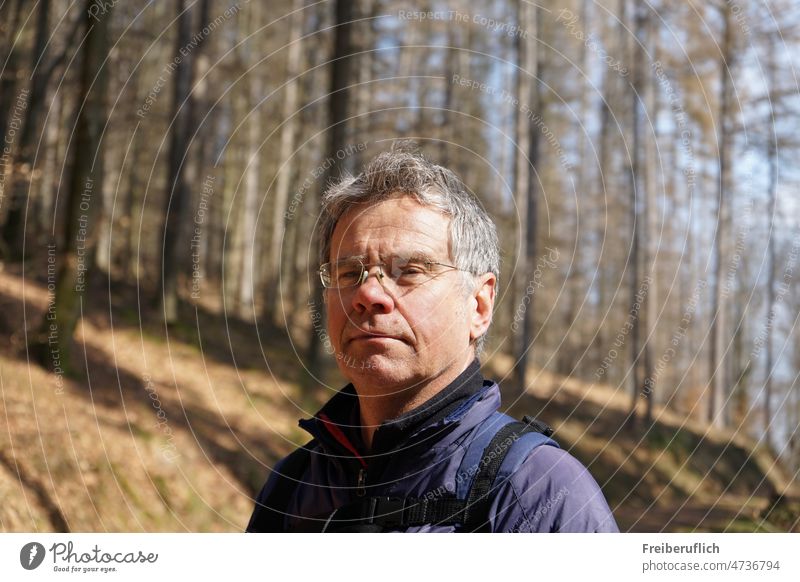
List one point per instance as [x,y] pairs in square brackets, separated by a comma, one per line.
[31,555]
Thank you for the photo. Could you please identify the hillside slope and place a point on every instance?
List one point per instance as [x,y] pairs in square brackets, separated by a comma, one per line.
[676,475]
[175,431]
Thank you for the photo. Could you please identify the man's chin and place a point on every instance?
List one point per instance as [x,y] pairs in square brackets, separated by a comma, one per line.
[365,363]
[375,370]
[374,352]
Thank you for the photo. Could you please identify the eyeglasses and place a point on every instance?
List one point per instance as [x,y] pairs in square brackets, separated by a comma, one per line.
[403,271]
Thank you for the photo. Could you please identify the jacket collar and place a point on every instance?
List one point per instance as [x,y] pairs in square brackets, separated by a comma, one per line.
[337,425]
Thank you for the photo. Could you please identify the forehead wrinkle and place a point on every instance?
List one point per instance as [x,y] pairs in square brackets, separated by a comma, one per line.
[394,241]
[415,255]
[362,258]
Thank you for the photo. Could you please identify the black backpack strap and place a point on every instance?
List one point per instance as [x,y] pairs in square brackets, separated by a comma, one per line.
[388,513]
[537,425]
[272,503]
[479,499]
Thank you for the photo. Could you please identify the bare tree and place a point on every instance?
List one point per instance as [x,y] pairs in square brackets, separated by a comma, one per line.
[82,207]
[637,290]
[647,38]
[719,311]
[341,65]
[771,147]
[289,119]
[23,172]
[246,233]
[178,181]
[10,13]
[526,182]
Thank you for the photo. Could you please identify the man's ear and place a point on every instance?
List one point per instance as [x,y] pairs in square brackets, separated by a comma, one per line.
[483,306]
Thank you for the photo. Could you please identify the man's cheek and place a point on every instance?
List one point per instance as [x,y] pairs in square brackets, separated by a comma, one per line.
[334,331]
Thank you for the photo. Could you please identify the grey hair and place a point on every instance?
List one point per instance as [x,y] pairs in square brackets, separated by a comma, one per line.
[474,247]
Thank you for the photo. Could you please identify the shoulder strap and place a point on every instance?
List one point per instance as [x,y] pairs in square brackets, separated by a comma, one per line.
[479,443]
[537,425]
[496,455]
[272,502]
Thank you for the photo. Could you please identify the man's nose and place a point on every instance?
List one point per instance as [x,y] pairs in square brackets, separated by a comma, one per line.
[372,295]
[378,274]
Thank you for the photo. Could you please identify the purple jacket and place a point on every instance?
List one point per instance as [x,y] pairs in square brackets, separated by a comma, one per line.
[420,454]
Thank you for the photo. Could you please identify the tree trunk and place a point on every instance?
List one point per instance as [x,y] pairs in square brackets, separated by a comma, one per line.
[772,196]
[232,234]
[336,136]
[302,227]
[445,130]
[525,182]
[636,289]
[129,249]
[52,344]
[587,186]
[606,292]
[205,124]
[718,332]
[248,235]
[22,178]
[286,157]
[46,205]
[649,239]
[519,180]
[178,189]
[10,13]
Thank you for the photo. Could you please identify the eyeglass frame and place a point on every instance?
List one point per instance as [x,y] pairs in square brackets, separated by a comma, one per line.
[365,267]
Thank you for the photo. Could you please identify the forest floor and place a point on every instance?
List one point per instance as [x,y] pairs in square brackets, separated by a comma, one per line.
[173,429]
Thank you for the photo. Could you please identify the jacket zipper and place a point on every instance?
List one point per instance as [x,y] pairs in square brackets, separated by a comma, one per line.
[361,488]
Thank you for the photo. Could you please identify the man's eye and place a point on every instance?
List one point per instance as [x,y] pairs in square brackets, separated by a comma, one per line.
[411,273]
[348,274]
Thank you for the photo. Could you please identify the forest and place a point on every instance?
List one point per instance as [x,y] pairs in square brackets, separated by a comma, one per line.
[161,172]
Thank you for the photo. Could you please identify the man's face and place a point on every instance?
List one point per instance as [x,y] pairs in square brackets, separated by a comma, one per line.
[389,338]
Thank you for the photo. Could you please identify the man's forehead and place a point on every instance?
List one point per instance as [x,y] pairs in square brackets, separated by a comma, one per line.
[395,217]
[396,225]
[394,256]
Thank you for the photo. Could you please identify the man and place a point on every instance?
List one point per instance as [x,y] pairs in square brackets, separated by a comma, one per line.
[409,266]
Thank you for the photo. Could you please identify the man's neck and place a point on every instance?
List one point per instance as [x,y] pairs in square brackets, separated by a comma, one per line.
[376,410]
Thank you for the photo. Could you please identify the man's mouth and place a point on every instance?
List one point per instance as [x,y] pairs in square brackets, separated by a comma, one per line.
[373,336]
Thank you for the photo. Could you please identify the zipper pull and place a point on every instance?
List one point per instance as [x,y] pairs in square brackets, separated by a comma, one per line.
[361,489]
